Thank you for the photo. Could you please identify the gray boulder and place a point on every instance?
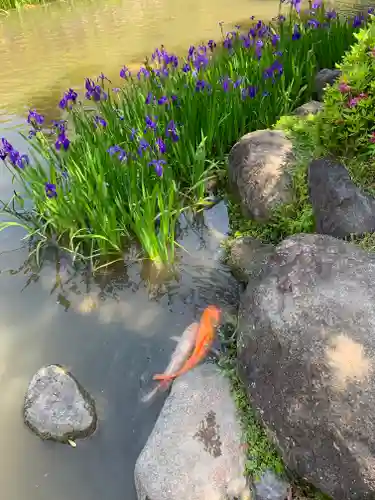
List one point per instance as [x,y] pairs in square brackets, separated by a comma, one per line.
[340,207]
[247,256]
[57,407]
[194,450]
[258,172]
[323,78]
[309,108]
[306,351]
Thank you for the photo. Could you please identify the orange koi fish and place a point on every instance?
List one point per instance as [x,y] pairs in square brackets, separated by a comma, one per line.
[182,352]
[206,334]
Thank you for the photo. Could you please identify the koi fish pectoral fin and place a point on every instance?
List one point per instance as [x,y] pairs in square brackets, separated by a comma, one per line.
[176,339]
[162,377]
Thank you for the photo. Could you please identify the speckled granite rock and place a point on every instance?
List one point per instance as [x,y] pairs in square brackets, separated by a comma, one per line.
[340,207]
[57,407]
[259,172]
[194,451]
[247,256]
[306,349]
[309,108]
[323,78]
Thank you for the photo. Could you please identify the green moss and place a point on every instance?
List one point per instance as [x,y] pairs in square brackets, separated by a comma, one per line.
[260,452]
[362,172]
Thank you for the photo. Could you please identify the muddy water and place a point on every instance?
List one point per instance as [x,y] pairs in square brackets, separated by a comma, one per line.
[112,331]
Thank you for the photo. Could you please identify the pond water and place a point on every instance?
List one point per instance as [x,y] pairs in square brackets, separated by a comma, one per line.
[111,331]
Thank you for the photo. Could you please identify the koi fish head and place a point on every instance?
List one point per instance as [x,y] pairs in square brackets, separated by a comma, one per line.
[214,313]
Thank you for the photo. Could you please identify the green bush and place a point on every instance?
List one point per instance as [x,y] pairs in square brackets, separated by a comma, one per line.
[347,123]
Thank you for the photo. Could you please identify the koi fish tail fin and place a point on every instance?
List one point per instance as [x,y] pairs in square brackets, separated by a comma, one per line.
[164,381]
[164,385]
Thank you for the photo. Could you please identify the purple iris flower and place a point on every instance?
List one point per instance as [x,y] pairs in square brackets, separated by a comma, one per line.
[94,91]
[125,73]
[171,131]
[161,145]
[150,123]
[35,118]
[249,91]
[296,35]
[228,43]
[211,44]
[149,98]
[226,83]
[102,77]
[98,120]
[50,190]
[158,166]
[143,72]
[317,4]
[200,61]
[69,98]
[62,141]
[15,158]
[331,14]
[118,151]
[357,21]
[133,133]
[313,23]
[143,145]
[275,39]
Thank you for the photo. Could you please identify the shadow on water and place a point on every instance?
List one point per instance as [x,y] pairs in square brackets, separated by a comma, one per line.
[111,330]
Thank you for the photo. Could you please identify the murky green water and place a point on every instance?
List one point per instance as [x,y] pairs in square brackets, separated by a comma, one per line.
[107,330]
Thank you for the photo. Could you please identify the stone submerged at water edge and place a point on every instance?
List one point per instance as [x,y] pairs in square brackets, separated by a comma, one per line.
[194,451]
[57,407]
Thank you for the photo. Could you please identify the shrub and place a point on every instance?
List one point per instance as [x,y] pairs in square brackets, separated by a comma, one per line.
[347,124]
[141,154]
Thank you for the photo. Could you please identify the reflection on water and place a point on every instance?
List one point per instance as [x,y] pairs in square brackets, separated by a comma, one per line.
[46,49]
[113,329]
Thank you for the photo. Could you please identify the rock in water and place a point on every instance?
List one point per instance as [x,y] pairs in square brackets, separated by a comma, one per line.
[194,451]
[270,487]
[306,352]
[246,257]
[340,207]
[258,171]
[57,407]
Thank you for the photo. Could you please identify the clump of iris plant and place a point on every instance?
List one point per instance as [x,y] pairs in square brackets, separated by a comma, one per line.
[137,155]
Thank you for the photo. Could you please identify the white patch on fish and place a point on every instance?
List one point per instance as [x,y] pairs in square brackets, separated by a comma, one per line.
[185,345]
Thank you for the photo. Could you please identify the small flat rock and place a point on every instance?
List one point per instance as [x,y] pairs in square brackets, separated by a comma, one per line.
[57,407]
[309,108]
[340,207]
[194,451]
[270,487]
[258,171]
[323,78]
[247,256]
